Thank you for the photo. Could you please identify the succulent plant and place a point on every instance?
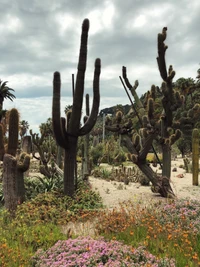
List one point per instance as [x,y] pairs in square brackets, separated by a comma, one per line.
[67,130]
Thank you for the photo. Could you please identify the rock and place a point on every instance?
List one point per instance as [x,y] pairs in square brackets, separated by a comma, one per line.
[180,175]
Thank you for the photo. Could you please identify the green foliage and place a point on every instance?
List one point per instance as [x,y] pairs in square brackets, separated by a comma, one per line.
[23,126]
[96,153]
[18,241]
[5,93]
[36,185]
[46,128]
[58,208]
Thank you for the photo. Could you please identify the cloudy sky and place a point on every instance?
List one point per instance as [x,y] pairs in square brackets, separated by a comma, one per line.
[39,37]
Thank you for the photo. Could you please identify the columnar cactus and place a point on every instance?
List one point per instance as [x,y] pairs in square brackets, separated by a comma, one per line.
[171,101]
[195,157]
[67,130]
[86,163]
[13,170]
[162,128]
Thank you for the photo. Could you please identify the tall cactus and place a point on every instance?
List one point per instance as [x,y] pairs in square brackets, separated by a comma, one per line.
[13,170]
[67,130]
[195,157]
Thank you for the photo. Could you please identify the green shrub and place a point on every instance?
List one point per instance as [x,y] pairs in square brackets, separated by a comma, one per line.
[96,153]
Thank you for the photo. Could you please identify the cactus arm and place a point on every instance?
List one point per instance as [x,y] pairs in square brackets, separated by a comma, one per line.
[126,141]
[56,118]
[147,146]
[133,91]
[195,157]
[114,129]
[74,123]
[161,54]
[87,104]
[23,163]
[126,80]
[96,100]
[13,132]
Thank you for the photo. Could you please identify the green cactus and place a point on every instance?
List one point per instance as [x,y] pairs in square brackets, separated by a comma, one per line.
[2,148]
[85,162]
[13,169]
[23,164]
[154,126]
[195,157]
[13,132]
[67,135]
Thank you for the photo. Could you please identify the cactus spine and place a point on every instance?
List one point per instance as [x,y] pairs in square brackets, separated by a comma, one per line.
[195,156]
[67,134]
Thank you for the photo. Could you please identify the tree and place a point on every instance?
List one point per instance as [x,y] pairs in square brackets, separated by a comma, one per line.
[5,93]
[23,127]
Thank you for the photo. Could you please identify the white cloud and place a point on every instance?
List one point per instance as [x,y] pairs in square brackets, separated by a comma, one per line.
[139,21]
[101,19]
[11,24]
[65,21]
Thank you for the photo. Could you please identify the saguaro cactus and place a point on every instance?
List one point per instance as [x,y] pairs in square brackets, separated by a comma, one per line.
[67,130]
[195,157]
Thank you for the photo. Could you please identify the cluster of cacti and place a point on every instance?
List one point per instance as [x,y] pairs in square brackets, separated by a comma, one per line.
[129,174]
[195,157]
[67,130]
[13,167]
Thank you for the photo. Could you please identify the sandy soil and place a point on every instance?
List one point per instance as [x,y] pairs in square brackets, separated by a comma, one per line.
[114,192]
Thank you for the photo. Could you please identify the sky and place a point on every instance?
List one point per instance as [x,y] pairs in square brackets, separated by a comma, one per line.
[41,37]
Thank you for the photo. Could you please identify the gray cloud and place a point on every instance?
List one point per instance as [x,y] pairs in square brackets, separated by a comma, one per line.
[40,37]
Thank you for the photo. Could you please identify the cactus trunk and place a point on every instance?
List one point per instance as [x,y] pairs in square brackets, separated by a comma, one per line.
[27,144]
[195,157]
[69,169]
[9,182]
[166,169]
[20,188]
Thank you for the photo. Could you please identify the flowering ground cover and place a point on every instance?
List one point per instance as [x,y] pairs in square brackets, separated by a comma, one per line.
[82,252]
[159,234]
[169,229]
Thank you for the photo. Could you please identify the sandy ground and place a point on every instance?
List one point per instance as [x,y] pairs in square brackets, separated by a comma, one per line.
[114,192]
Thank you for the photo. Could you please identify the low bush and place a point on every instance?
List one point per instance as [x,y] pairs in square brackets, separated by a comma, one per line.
[89,252]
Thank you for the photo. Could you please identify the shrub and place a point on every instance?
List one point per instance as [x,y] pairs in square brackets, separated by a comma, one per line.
[96,153]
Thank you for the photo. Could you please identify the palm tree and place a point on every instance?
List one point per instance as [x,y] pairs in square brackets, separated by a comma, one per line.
[23,128]
[5,93]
